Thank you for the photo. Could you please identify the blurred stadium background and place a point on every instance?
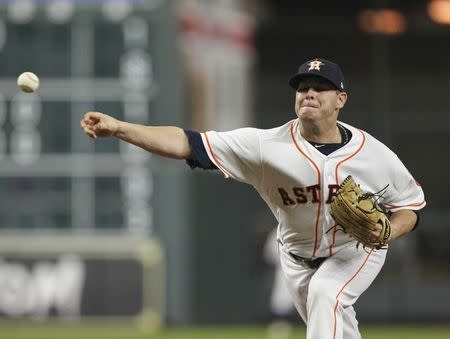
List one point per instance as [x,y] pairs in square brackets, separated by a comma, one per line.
[99,237]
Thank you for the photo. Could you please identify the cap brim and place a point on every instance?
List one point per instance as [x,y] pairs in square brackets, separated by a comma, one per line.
[295,80]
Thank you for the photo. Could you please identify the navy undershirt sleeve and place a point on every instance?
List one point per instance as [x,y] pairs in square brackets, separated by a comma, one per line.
[199,157]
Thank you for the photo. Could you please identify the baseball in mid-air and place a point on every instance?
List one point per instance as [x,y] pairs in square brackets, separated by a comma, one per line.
[28,82]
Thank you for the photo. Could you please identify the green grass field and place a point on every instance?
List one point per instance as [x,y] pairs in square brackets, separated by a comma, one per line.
[115,332]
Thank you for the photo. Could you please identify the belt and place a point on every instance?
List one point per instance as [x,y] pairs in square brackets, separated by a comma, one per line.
[311,263]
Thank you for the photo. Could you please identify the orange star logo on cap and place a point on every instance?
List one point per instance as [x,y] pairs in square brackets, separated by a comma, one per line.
[315,64]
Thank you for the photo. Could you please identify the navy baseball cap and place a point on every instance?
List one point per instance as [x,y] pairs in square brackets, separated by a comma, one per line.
[321,68]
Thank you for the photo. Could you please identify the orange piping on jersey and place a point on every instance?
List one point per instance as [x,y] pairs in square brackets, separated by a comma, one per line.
[410,205]
[350,156]
[337,177]
[345,285]
[316,227]
[335,229]
[215,158]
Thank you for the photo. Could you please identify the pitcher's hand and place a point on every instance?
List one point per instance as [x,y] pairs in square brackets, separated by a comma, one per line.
[96,124]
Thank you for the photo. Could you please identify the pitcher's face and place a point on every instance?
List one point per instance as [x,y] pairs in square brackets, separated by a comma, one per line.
[318,99]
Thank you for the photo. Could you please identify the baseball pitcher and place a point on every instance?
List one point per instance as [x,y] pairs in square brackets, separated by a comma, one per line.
[339,195]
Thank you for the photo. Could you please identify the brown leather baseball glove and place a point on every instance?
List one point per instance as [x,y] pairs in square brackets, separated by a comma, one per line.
[357,212]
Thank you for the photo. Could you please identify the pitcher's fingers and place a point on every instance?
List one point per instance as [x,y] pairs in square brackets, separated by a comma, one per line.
[375,234]
[89,132]
[86,124]
[91,117]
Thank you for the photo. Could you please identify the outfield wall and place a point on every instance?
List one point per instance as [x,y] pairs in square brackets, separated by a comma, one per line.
[80,278]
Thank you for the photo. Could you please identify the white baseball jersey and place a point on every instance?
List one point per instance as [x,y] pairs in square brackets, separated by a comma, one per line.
[298,182]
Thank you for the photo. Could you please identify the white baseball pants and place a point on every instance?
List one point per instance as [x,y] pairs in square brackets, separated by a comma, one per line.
[324,297]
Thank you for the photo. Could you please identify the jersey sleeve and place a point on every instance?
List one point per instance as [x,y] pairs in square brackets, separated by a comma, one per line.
[236,153]
[199,157]
[406,192]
